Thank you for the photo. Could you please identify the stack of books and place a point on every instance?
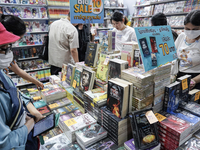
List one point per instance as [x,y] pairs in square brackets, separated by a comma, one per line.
[90,135]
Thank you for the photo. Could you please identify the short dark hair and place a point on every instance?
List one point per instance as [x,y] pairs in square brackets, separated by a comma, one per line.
[118,17]
[193,18]
[159,19]
[13,24]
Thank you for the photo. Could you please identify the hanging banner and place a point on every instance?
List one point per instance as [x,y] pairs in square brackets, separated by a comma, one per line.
[156,45]
[81,11]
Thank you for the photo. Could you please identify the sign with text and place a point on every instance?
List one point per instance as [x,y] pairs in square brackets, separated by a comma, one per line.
[81,11]
[156,45]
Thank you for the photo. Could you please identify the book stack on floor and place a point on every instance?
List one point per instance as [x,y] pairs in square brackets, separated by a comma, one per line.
[90,135]
[142,90]
[94,100]
[70,126]
[161,79]
[119,130]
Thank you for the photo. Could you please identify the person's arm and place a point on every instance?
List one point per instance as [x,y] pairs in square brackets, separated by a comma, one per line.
[74,53]
[194,81]
[15,68]
[34,112]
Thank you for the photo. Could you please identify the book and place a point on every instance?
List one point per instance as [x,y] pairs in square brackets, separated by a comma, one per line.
[116,66]
[58,142]
[87,80]
[194,96]
[192,107]
[44,110]
[59,103]
[185,87]
[145,135]
[70,74]
[91,134]
[40,103]
[171,97]
[66,109]
[118,99]
[106,144]
[73,146]
[127,52]
[77,78]
[91,56]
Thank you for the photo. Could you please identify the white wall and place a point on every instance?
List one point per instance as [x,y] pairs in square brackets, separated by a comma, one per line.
[129,4]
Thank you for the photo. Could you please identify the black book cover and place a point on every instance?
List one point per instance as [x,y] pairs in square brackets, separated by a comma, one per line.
[144,46]
[26,53]
[86,78]
[90,54]
[114,69]
[115,98]
[69,74]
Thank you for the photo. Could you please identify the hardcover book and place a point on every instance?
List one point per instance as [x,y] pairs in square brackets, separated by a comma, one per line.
[70,74]
[117,100]
[91,56]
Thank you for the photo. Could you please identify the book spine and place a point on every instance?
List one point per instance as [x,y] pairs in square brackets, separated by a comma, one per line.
[167,142]
[166,98]
[169,134]
[168,137]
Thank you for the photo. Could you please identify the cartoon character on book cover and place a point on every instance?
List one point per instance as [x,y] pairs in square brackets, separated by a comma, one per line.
[115,97]
[73,146]
[85,80]
[27,12]
[93,131]
[7,11]
[16,11]
[43,12]
[35,13]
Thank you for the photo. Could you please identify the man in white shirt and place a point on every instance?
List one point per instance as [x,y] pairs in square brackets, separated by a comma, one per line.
[63,44]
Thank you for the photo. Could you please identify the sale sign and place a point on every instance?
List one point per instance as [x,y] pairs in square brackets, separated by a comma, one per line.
[83,10]
[156,45]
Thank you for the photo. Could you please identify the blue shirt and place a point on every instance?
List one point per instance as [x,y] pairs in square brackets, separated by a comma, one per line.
[15,139]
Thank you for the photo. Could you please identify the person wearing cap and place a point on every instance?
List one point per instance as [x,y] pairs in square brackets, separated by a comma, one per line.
[16,26]
[15,125]
[124,33]
[160,19]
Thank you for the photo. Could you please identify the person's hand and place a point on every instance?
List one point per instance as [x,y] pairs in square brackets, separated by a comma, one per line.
[38,117]
[29,123]
[40,85]
[192,84]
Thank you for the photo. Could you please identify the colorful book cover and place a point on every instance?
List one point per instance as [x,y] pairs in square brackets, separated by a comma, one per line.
[57,131]
[77,77]
[69,76]
[73,146]
[115,98]
[43,110]
[102,69]
[43,12]
[67,109]
[86,78]
[35,12]
[66,117]
[91,133]
[27,12]
[39,104]
[105,144]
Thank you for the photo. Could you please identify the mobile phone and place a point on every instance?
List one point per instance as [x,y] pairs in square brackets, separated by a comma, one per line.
[44,125]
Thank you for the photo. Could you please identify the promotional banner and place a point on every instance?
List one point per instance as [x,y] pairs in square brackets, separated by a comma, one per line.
[156,45]
[81,11]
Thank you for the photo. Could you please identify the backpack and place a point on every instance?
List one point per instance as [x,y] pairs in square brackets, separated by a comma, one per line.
[45,49]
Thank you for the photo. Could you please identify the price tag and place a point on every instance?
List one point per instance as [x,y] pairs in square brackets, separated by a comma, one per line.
[37,98]
[106,60]
[70,122]
[92,104]
[160,117]
[74,84]
[53,105]
[151,117]
[184,84]
[196,96]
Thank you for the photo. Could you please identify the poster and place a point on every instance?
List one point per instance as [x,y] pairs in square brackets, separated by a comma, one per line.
[83,10]
[156,45]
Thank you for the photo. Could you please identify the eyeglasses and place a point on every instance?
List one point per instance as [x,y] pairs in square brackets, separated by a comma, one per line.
[6,50]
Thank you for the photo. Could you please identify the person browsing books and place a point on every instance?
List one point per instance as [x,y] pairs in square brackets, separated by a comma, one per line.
[15,125]
[124,33]
[160,19]
[16,26]
[63,44]
[188,49]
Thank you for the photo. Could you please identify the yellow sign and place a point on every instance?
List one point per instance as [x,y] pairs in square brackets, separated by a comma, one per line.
[70,122]
[74,84]
[184,84]
[53,105]
[160,117]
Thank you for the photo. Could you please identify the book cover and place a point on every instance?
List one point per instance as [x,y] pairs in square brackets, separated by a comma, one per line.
[67,116]
[91,54]
[86,79]
[114,69]
[91,133]
[59,103]
[77,77]
[57,131]
[130,144]
[67,109]
[35,13]
[70,74]
[102,69]
[26,11]
[192,107]
[49,135]
[73,146]
[39,104]
[44,110]
[194,95]
[105,144]
[58,142]
[115,98]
